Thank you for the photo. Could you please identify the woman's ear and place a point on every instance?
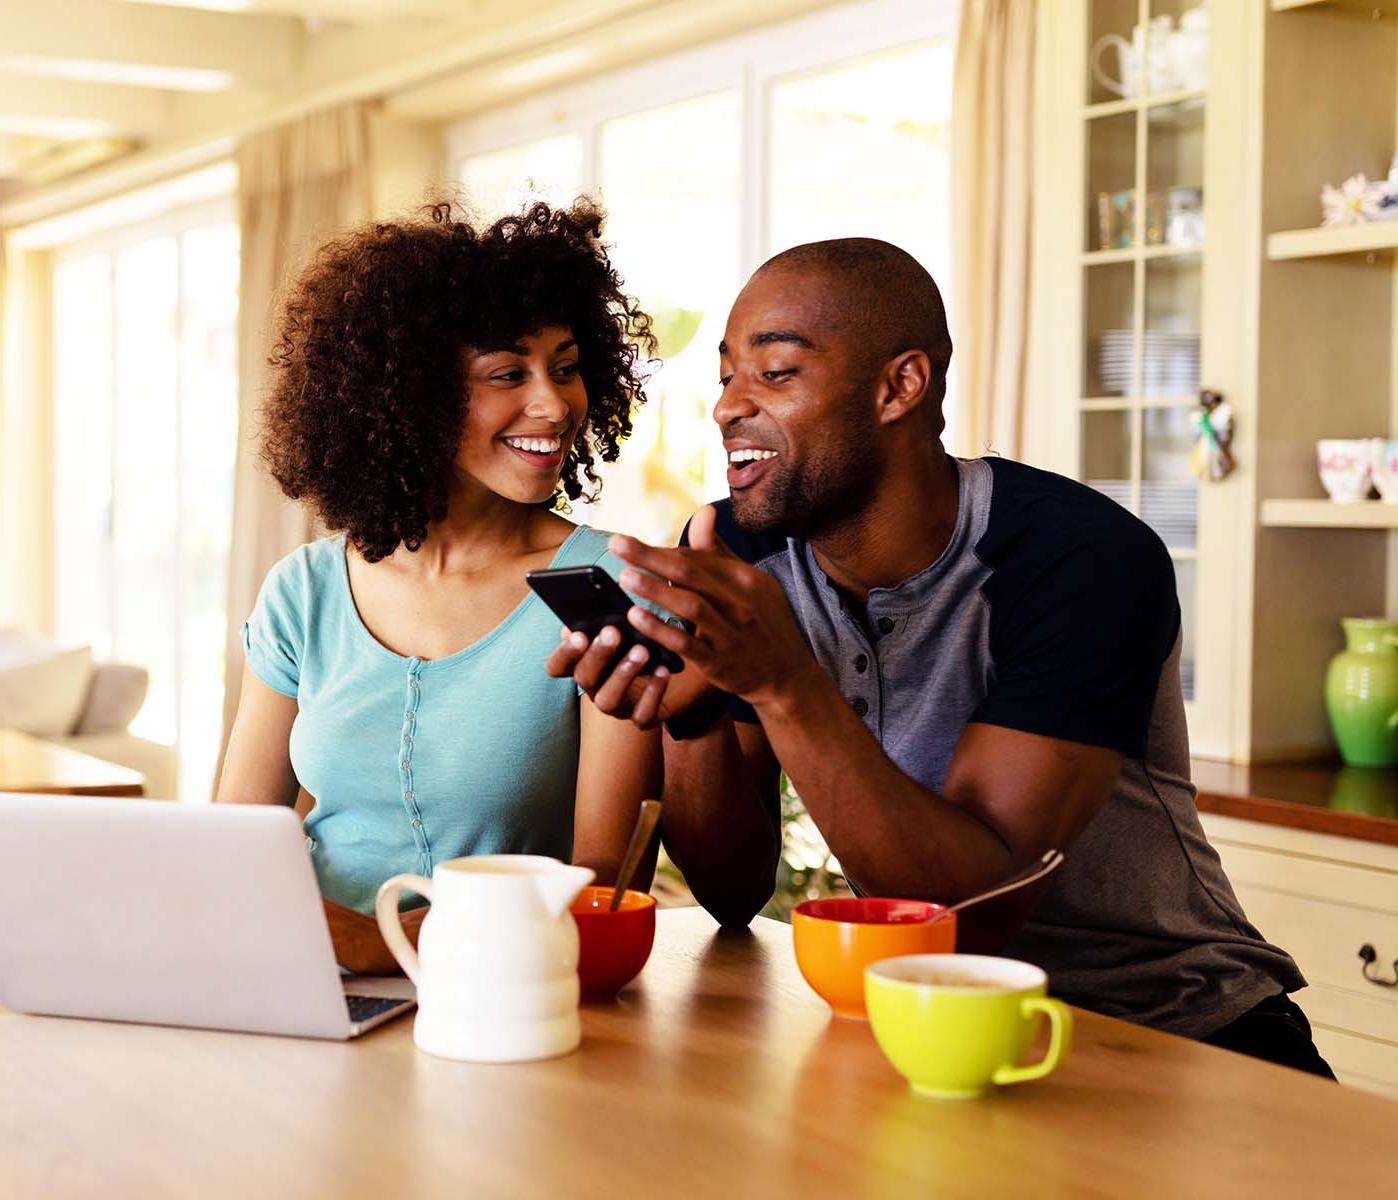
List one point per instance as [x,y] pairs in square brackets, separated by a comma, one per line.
[906,379]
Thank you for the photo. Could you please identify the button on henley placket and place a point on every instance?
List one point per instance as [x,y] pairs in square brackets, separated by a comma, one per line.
[405,762]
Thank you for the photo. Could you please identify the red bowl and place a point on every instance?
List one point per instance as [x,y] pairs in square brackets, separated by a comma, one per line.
[612,946]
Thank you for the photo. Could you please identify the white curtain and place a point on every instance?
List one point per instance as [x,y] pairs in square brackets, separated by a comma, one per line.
[299,184]
[992,190]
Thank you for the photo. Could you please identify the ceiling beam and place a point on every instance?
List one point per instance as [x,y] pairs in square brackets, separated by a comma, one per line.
[107,41]
[65,109]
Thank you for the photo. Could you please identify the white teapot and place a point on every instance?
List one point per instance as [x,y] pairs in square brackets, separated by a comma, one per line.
[496,967]
[1174,59]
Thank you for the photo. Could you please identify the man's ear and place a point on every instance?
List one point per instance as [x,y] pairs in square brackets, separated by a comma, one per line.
[905,382]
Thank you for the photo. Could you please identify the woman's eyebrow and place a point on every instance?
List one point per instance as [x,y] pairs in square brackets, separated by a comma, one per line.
[568,343]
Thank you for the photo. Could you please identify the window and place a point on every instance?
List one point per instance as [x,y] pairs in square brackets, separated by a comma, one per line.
[709,162]
[145,430]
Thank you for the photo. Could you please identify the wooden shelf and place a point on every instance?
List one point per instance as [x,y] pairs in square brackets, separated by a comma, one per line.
[1327,514]
[1094,258]
[1124,403]
[1387,8]
[1370,238]
[1112,108]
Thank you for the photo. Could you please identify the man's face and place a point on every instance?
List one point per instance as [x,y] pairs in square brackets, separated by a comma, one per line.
[797,412]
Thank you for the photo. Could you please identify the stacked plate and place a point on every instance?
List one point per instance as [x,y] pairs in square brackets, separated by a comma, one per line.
[1170,364]
[1170,508]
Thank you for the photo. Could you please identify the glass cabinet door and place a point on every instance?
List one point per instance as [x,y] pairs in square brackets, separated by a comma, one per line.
[1145,100]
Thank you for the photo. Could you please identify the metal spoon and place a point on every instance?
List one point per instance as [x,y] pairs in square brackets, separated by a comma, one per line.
[1049,863]
[640,839]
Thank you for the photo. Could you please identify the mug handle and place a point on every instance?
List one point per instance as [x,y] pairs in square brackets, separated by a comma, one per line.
[1060,1039]
[386,911]
[1116,86]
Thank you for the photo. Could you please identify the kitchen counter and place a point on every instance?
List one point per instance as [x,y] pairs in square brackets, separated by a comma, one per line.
[1322,797]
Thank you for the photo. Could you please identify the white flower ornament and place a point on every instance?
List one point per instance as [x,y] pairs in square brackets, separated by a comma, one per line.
[1352,203]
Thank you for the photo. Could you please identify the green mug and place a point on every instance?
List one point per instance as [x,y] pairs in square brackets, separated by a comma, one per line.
[953,1024]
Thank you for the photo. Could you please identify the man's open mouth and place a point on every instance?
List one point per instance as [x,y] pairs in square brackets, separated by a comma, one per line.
[747,466]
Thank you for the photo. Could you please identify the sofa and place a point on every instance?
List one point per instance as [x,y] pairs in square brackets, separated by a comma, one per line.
[58,693]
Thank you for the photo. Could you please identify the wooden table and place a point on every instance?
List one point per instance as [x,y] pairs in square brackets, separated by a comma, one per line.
[28,764]
[718,1075]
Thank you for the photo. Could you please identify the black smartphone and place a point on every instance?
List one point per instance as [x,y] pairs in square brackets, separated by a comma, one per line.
[586,599]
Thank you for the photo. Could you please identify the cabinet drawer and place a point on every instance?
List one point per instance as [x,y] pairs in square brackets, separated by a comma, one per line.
[1362,887]
[1359,1061]
[1324,939]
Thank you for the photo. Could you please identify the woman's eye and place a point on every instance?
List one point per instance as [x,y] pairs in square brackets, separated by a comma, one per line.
[773,376]
[567,370]
[512,375]
[724,380]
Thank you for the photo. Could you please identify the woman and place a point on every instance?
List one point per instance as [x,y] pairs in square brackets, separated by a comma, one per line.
[439,390]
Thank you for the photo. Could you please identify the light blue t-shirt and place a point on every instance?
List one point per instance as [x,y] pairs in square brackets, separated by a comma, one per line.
[411,761]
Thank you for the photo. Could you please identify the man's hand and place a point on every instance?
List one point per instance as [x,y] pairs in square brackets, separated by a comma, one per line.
[745,638]
[359,947]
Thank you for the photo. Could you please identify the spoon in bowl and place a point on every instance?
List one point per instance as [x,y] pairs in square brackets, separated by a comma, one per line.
[1050,862]
[640,839]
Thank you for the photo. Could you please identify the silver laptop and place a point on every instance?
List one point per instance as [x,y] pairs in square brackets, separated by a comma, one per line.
[173,914]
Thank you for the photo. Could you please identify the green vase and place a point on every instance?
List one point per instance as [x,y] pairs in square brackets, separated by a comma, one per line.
[1361,693]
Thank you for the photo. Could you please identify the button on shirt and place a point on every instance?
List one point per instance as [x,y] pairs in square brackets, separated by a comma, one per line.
[412,762]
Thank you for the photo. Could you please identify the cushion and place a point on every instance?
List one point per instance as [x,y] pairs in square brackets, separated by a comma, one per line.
[114,697]
[44,696]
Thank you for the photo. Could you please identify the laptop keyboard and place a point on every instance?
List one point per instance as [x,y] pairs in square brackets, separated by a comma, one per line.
[364,1008]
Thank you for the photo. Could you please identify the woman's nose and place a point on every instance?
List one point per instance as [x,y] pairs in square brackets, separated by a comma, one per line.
[546,401]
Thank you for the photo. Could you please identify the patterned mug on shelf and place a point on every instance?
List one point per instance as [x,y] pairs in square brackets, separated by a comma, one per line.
[1345,466]
[1383,464]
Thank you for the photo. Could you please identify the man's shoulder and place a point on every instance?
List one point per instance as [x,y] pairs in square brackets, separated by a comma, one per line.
[750,547]
[1038,516]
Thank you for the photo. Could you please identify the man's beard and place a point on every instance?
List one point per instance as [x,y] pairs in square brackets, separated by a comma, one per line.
[813,500]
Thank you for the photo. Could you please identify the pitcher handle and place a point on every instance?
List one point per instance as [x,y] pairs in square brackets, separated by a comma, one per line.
[1116,86]
[1060,1039]
[391,926]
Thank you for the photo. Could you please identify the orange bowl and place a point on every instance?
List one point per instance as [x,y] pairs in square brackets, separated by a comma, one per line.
[836,939]
[612,946]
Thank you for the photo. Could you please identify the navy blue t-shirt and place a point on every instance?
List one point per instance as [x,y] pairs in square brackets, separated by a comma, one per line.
[1053,611]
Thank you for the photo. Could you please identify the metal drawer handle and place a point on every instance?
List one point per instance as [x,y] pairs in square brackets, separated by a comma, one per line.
[1370,957]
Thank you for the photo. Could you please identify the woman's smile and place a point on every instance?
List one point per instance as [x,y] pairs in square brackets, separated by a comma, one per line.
[541,453]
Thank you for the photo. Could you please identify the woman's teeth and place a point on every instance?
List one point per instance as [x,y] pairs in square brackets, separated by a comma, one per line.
[536,445]
[742,456]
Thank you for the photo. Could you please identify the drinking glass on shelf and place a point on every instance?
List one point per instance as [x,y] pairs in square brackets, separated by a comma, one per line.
[1116,219]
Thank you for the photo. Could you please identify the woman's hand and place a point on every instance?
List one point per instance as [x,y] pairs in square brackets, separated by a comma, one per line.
[618,688]
[359,947]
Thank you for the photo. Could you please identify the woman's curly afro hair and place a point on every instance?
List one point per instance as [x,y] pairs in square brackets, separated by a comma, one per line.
[368,402]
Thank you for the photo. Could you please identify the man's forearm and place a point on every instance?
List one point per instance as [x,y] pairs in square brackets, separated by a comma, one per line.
[891,835]
[722,833]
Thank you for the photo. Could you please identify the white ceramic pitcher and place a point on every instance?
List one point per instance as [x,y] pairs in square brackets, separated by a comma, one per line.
[496,967]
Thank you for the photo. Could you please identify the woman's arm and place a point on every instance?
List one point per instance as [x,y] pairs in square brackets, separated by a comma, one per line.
[618,767]
[257,765]
[257,770]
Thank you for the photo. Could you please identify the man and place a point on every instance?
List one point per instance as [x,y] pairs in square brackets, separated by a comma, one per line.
[959,664]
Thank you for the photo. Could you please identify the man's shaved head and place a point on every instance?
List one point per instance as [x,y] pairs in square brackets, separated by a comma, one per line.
[833,368]
[880,297]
